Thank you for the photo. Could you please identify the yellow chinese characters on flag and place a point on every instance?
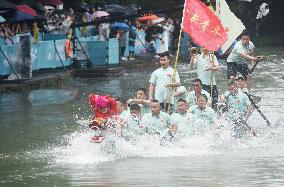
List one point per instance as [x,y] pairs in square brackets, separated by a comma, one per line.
[203,25]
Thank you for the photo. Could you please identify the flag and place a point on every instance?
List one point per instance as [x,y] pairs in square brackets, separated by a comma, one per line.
[233,25]
[203,25]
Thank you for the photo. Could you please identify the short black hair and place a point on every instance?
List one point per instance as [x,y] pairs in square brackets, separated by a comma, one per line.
[240,77]
[166,53]
[135,106]
[181,100]
[123,101]
[197,80]
[142,89]
[204,96]
[232,83]
[245,33]
[155,101]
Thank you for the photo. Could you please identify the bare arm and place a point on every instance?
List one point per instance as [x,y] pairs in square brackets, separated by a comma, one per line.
[151,91]
[174,128]
[222,98]
[192,61]
[244,55]
[248,112]
[173,85]
[138,101]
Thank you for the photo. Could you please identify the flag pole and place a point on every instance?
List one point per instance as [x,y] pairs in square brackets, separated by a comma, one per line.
[177,56]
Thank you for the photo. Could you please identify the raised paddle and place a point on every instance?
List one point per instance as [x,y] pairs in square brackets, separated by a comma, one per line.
[258,110]
[260,58]
[252,130]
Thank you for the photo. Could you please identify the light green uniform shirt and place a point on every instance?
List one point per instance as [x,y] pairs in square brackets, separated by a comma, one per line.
[239,48]
[207,115]
[203,63]
[237,105]
[191,98]
[132,125]
[182,122]
[156,124]
[160,78]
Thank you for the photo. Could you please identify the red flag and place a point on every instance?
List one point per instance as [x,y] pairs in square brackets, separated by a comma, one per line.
[203,25]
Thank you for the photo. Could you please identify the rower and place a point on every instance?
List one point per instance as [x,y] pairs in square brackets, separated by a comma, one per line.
[192,96]
[141,100]
[156,122]
[239,58]
[239,109]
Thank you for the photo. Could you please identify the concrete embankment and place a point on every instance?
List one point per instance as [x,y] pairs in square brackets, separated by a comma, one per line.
[48,79]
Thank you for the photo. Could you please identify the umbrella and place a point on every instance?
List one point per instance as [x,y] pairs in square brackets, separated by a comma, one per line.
[27,10]
[99,14]
[153,30]
[148,18]
[2,19]
[31,3]
[156,21]
[120,26]
[130,10]
[118,9]
[113,8]
[51,2]
[49,8]
[20,16]
[7,5]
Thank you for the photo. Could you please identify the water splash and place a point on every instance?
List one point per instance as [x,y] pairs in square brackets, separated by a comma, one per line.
[79,149]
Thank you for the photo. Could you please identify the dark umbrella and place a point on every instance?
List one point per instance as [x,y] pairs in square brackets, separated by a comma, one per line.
[151,31]
[118,9]
[120,26]
[27,10]
[7,5]
[113,8]
[50,2]
[33,4]
[130,10]
[30,3]
[20,16]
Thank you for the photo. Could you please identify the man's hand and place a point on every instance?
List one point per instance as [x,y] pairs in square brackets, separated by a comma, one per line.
[130,101]
[259,58]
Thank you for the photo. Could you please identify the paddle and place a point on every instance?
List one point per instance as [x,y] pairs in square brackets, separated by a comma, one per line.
[260,58]
[252,130]
[258,110]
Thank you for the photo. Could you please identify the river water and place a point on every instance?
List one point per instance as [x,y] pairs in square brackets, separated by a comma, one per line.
[45,140]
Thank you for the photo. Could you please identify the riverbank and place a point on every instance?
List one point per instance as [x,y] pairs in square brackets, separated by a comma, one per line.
[49,79]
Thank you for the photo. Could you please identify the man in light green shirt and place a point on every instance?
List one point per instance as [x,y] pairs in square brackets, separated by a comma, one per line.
[179,120]
[156,122]
[203,117]
[239,58]
[192,96]
[162,83]
[239,108]
[141,100]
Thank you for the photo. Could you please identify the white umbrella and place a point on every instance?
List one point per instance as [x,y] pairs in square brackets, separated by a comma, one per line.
[49,7]
[158,20]
[99,14]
